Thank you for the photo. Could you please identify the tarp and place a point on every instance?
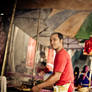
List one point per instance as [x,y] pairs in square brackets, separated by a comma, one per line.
[86,29]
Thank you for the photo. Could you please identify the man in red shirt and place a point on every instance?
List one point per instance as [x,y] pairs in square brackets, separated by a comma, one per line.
[63,70]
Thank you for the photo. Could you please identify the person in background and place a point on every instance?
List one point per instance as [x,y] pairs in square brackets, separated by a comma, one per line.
[42,70]
[63,70]
[43,67]
[83,80]
[76,76]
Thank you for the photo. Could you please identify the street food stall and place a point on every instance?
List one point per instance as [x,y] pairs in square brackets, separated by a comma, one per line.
[28,40]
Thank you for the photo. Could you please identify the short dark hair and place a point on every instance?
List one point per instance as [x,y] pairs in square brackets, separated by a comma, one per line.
[43,63]
[60,36]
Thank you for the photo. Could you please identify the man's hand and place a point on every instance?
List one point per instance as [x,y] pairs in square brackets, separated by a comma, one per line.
[36,89]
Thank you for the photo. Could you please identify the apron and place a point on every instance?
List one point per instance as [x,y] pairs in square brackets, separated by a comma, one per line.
[63,88]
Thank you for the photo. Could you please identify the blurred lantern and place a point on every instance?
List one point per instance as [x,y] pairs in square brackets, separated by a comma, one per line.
[88,47]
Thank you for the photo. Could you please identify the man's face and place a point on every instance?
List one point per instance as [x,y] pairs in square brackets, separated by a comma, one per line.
[55,42]
[86,69]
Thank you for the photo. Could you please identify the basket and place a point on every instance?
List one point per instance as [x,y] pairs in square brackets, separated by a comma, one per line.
[83,89]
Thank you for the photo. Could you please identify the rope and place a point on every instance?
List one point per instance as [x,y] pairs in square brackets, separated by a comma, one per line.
[8,39]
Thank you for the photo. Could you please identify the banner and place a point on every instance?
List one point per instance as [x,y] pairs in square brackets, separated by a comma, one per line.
[50,59]
[31,53]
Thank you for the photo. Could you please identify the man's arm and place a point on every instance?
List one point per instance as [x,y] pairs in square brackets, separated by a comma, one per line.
[50,81]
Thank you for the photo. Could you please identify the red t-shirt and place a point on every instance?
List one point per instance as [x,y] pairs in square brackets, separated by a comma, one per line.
[63,64]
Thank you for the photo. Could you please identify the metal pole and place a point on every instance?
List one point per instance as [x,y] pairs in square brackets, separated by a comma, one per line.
[37,38]
[8,39]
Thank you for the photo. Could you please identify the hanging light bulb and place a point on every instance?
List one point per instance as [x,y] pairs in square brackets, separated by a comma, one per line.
[1,14]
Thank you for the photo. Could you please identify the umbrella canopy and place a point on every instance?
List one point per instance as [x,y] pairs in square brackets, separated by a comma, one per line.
[67,22]
[86,29]
[56,15]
